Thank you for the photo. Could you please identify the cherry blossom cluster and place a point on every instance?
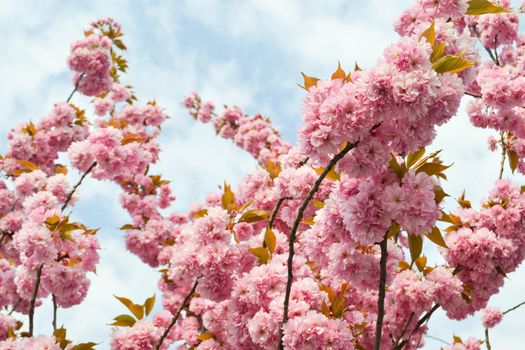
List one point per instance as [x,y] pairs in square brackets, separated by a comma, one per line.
[320,246]
[255,134]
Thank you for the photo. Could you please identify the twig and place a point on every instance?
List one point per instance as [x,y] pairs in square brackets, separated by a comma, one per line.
[473,94]
[274,214]
[295,227]
[436,338]
[487,340]
[15,306]
[55,307]
[491,55]
[405,328]
[70,194]
[503,158]
[382,292]
[513,308]
[33,298]
[76,87]
[421,321]
[176,317]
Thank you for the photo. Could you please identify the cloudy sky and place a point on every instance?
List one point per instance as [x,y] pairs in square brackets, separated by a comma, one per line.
[246,53]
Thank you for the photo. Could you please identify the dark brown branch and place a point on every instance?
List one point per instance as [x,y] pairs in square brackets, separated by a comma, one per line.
[503,157]
[421,321]
[33,298]
[494,59]
[295,227]
[404,330]
[274,214]
[76,87]
[15,306]
[72,192]
[176,317]
[382,292]
[473,94]
[438,339]
[513,308]
[55,307]
[487,340]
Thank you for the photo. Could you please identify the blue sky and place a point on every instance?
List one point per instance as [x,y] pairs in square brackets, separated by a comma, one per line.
[246,53]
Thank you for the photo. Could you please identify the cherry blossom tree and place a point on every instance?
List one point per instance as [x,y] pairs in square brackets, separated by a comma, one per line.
[322,246]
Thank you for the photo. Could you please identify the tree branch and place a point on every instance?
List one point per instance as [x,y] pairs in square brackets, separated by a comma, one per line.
[382,292]
[176,317]
[487,340]
[55,307]
[70,194]
[503,157]
[405,328]
[473,94]
[494,59]
[76,87]
[421,321]
[295,227]
[513,308]
[33,298]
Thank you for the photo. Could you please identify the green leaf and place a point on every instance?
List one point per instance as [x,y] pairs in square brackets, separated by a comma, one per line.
[393,230]
[254,215]
[399,169]
[261,253]
[308,81]
[270,240]
[148,304]
[439,194]
[436,237]
[318,204]
[84,346]
[430,34]
[228,197]
[123,321]
[514,160]
[415,244]
[482,7]
[432,169]
[452,64]
[421,262]
[332,175]
[137,310]
[464,203]
[413,157]
[437,51]
[339,73]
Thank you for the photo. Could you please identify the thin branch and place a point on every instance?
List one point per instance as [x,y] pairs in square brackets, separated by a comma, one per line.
[421,321]
[33,298]
[15,306]
[176,317]
[496,49]
[473,94]
[76,87]
[382,292]
[70,194]
[503,157]
[513,308]
[295,227]
[487,340]
[438,339]
[55,307]
[405,328]
[276,210]
[474,30]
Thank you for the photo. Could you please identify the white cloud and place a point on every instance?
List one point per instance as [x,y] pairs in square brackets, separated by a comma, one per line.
[247,53]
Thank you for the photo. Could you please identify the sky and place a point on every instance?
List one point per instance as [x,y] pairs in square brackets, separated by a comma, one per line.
[246,53]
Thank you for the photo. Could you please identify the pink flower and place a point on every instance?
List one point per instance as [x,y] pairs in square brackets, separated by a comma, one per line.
[491,317]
